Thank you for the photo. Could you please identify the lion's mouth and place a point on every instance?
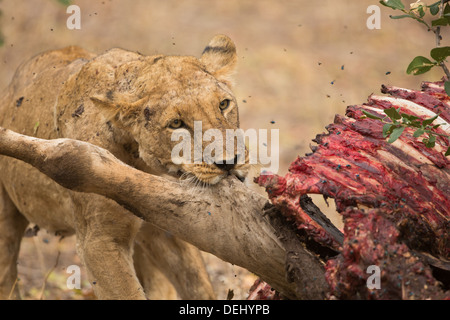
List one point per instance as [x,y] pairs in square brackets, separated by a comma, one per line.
[209,178]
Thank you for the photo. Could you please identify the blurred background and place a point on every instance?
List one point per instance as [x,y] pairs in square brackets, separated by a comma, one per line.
[300,63]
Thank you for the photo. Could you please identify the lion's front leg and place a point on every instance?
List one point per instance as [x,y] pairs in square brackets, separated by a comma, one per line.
[155,283]
[12,227]
[180,262]
[105,239]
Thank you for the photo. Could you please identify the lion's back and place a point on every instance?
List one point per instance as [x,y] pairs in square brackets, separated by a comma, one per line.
[27,104]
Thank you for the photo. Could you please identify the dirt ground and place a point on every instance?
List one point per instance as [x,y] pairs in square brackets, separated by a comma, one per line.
[300,63]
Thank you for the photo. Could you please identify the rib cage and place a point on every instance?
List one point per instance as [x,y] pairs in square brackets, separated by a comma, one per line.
[394,198]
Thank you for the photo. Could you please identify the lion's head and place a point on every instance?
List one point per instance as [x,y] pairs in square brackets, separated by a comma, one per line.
[156,95]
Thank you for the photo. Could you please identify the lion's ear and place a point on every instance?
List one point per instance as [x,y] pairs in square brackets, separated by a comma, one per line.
[118,108]
[220,57]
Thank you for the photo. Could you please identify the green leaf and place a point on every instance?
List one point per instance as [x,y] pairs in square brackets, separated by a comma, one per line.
[409,116]
[411,119]
[402,16]
[447,87]
[447,153]
[387,129]
[434,8]
[421,11]
[393,114]
[431,141]
[396,133]
[429,121]
[65,2]
[394,4]
[447,8]
[440,54]
[415,124]
[412,16]
[418,133]
[440,22]
[372,116]
[419,65]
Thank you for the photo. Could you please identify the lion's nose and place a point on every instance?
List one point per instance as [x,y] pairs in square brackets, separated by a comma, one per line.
[227,166]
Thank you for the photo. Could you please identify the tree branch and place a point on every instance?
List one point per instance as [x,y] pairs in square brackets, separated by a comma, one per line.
[439,38]
[228,224]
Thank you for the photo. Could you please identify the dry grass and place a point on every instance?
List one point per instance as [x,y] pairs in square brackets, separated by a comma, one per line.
[300,63]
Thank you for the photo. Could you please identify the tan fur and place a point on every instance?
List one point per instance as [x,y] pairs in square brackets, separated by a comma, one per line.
[124,102]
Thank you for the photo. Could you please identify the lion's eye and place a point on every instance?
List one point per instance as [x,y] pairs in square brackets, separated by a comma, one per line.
[224,104]
[176,124]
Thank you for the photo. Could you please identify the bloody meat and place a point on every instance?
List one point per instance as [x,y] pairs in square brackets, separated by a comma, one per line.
[394,198]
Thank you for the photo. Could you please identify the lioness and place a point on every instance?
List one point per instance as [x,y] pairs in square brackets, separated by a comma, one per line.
[129,104]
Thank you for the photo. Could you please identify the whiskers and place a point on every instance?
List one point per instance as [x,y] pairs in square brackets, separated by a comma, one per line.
[193,184]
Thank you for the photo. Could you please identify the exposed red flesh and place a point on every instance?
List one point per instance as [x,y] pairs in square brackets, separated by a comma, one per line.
[436,101]
[260,290]
[372,239]
[406,184]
